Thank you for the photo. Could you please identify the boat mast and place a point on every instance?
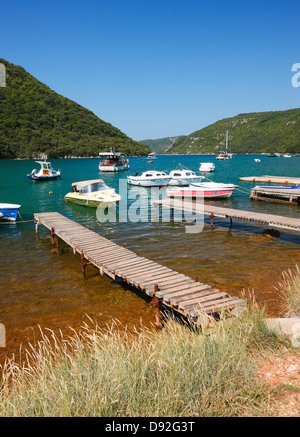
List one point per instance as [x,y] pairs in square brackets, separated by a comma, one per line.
[226,141]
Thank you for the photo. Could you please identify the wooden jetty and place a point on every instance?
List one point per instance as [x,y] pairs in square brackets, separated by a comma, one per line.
[166,286]
[270,220]
[271,194]
[272,179]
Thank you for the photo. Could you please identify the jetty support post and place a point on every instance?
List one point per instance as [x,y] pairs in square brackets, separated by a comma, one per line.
[211,220]
[84,263]
[36,224]
[54,243]
[156,303]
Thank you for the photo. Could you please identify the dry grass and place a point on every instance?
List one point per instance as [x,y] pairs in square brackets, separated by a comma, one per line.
[289,289]
[176,371]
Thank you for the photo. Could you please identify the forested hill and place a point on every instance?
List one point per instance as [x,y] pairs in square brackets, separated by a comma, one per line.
[161,145]
[258,132]
[34,119]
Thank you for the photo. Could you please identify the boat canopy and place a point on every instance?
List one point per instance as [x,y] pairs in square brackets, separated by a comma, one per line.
[83,184]
[89,186]
[44,164]
[111,154]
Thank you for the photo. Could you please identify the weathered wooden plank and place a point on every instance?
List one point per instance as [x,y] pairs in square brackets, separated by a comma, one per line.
[173,296]
[215,305]
[135,263]
[185,303]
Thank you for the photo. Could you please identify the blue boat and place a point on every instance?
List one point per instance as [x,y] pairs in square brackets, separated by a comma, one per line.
[9,211]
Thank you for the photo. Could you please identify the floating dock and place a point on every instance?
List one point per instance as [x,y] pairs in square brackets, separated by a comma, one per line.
[272,179]
[270,220]
[271,194]
[166,286]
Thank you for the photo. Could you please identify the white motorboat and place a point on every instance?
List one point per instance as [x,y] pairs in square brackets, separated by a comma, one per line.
[203,189]
[113,161]
[152,155]
[206,167]
[257,160]
[149,178]
[286,155]
[225,155]
[46,172]
[92,193]
[183,177]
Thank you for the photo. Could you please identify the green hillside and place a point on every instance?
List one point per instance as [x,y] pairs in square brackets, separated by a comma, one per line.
[161,145]
[34,119]
[257,132]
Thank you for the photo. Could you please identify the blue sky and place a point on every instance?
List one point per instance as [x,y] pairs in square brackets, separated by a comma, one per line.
[159,68]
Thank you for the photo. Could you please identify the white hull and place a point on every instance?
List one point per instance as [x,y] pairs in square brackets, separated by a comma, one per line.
[205,190]
[207,167]
[113,168]
[149,183]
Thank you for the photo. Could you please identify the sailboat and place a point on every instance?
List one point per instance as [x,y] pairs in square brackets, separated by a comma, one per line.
[225,155]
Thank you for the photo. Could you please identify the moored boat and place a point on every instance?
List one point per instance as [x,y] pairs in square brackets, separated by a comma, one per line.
[152,155]
[149,178]
[225,155]
[9,211]
[203,190]
[46,172]
[206,167]
[113,161]
[92,193]
[183,177]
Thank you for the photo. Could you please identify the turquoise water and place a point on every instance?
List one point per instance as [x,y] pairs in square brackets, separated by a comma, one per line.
[39,286]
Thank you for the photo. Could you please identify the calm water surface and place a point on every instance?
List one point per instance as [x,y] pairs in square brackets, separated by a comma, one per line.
[39,286]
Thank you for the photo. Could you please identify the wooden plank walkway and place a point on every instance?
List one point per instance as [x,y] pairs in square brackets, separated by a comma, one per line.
[271,220]
[272,179]
[165,285]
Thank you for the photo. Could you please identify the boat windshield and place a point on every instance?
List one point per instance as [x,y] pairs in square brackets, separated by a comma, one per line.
[96,186]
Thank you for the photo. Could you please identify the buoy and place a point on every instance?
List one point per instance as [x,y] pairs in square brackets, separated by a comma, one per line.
[149,162]
[50,192]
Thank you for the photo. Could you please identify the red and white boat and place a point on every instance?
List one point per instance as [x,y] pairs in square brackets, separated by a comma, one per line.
[203,189]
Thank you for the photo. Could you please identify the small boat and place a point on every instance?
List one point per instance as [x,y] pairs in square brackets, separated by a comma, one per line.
[149,178]
[272,155]
[46,172]
[286,155]
[183,177]
[203,190]
[152,155]
[149,162]
[257,160]
[92,193]
[9,211]
[206,167]
[113,161]
[225,155]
